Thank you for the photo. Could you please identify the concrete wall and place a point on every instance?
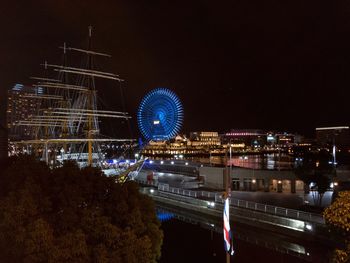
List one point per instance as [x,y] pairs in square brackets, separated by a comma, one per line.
[213,177]
[262,174]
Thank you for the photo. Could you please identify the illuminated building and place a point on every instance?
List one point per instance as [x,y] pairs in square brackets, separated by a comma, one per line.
[249,137]
[211,143]
[285,139]
[329,136]
[21,105]
[205,139]
[259,138]
[199,143]
[271,138]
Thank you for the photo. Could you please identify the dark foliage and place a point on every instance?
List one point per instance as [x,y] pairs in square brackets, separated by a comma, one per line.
[73,215]
[316,168]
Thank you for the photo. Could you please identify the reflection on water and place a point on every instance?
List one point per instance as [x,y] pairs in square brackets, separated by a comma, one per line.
[272,161]
[193,238]
[164,216]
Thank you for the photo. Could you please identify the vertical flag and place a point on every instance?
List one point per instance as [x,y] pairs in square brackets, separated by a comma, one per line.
[227,230]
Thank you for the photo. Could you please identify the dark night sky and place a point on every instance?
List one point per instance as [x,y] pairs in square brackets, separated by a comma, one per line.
[270,64]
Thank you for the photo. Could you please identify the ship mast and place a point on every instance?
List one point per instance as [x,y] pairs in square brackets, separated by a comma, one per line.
[71,115]
[90,102]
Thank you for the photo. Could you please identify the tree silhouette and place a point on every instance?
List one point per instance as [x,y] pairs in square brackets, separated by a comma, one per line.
[73,215]
[338,216]
[315,169]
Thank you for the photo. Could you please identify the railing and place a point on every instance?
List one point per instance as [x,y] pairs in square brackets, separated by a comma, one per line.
[145,182]
[179,191]
[269,209]
[274,210]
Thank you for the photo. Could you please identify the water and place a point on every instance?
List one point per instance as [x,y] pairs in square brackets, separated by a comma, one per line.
[272,161]
[191,238]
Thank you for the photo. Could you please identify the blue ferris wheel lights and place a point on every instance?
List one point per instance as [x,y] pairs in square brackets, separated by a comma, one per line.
[160,115]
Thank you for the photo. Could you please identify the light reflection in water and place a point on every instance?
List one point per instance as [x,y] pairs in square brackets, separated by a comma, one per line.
[164,216]
[246,239]
[266,161]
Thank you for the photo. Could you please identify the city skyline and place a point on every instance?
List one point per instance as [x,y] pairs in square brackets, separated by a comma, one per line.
[232,66]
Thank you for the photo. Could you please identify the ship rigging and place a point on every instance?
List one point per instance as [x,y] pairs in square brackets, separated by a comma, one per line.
[67,123]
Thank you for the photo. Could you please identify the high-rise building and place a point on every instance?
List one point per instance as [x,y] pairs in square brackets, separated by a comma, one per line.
[329,136]
[21,105]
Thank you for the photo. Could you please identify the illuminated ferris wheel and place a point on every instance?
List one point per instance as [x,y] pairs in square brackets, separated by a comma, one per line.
[160,115]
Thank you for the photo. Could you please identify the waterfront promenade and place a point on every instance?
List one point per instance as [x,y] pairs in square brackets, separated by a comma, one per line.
[287,200]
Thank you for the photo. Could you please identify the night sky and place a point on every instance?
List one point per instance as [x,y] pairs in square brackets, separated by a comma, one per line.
[282,65]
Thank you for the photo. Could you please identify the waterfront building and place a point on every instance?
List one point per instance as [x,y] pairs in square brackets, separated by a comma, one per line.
[249,137]
[329,136]
[256,139]
[211,143]
[22,104]
[205,139]
[243,179]
[285,139]
[199,143]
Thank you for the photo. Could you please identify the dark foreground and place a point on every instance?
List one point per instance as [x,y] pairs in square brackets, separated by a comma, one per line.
[190,242]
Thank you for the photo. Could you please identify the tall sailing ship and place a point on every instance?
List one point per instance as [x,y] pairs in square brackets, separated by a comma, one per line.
[66,125]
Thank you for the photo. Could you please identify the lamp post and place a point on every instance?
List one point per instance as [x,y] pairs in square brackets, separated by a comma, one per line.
[230,160]
[227,195]
[334,152]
